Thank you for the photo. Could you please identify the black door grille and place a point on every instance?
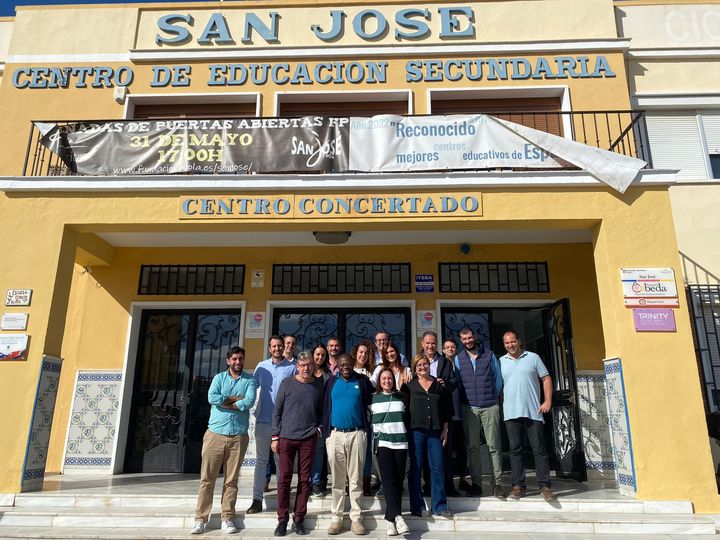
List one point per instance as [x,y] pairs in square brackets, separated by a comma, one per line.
[341,278]
[494,277]
[183,279]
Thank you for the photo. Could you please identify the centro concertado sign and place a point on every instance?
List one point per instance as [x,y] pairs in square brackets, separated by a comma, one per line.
[329,206]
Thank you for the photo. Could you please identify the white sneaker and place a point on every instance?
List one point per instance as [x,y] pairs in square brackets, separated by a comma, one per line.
[401,526]
[198,528]
[228,527]
[391,530]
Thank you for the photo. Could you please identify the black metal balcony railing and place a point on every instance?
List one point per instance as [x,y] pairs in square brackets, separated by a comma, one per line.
[623,132]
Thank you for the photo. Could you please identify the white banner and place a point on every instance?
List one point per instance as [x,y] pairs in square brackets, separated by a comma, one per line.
[396,143]
[390,143]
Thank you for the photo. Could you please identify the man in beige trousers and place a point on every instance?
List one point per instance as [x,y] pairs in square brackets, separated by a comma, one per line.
[231,394]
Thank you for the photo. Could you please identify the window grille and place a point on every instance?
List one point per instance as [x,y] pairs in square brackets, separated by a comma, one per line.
[192,279]
[704,301]
[494,277]
[341,278]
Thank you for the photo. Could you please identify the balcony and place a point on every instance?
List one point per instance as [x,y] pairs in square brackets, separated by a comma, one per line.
[620,131]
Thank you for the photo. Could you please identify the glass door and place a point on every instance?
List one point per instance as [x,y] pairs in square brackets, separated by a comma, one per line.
[179,352]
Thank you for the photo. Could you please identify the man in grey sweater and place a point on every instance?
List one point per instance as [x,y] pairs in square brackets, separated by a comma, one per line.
[296,425]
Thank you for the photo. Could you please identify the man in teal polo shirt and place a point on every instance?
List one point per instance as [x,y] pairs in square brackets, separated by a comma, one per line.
[232,395]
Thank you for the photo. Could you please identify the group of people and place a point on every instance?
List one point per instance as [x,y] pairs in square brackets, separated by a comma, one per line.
[338,413]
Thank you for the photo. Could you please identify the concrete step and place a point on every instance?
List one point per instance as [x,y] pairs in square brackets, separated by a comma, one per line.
[533,503]
[164,518]
[267,534]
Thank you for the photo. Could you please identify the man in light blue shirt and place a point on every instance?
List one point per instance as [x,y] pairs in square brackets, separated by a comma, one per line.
[232,395]
[268,376]
[522,373]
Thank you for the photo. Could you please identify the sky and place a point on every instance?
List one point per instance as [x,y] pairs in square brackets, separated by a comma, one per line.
[7,7]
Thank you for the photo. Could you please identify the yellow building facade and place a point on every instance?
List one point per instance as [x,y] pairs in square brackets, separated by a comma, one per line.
[107,257]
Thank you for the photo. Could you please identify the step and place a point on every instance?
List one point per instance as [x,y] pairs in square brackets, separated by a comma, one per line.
[532,503]
[265,534]
[484,521]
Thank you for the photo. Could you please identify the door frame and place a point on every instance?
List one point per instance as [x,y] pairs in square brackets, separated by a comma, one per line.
[407,304]
[131,350]
[517,304]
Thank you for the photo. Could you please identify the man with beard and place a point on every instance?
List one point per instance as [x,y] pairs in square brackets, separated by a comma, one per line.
[231,394]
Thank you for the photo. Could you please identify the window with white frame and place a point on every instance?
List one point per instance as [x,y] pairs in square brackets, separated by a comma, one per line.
[688,141]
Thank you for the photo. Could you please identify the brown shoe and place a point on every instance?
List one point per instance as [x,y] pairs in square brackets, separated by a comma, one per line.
[498,492]
[335,527]
[547,494]
[267,486]
[517,493]
[357,528]
[255,507]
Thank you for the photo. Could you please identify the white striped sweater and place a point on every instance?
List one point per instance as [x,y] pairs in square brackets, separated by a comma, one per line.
[388,415]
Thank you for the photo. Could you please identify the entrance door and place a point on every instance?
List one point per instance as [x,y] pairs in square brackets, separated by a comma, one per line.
[179,352]
[567,433]
[312,326]
[545,331]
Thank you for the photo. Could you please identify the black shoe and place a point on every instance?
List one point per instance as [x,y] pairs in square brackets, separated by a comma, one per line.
[463,485]
[452,492]
[317,491]
[281,529]
[255,507]
[299,528]
[474,491]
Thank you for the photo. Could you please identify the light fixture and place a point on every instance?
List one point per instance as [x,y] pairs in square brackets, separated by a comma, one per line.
[332,237]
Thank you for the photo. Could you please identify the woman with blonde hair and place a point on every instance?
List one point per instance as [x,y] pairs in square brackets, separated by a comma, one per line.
[429,416]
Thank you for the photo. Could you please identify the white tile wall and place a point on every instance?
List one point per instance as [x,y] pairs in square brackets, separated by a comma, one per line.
[620,427]
[39,438]
[93,422]
[597,441]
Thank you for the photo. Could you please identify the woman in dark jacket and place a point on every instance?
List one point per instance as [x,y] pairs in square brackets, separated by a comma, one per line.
[428,404]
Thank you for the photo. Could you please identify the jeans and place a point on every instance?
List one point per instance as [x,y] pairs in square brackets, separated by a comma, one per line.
[263,432]
[516,429]
[426,445]
[319,474]
[367,468]
[288,449]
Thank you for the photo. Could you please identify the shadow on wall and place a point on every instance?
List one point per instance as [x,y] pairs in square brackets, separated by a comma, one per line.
[696,274]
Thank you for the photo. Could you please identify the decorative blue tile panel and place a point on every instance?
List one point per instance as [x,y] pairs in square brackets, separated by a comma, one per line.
[620,427]
[592,402]
[93,422]
[39,437]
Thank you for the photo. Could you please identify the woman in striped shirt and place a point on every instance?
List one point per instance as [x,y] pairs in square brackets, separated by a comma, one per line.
[388,419]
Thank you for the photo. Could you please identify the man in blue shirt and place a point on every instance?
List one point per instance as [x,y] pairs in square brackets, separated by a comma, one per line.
[522,373]
[345,420]
[232,395]
[268,376]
